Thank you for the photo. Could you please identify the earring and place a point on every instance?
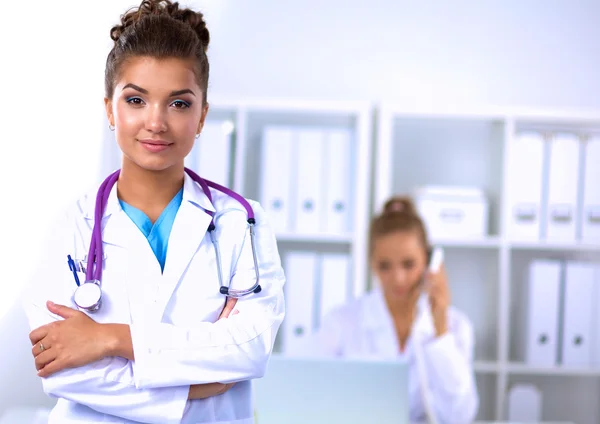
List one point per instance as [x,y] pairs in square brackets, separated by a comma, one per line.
[197,136]
[111,127]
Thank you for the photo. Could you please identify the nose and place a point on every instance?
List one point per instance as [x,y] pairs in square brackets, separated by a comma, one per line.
[401,277]
[156,120]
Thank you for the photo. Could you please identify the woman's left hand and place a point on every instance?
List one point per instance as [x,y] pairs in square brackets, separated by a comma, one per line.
[73,342]
[439,299]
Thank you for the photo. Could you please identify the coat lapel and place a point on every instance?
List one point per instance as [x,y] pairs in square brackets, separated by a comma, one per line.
[379,327]
[189,229]
[117,229]
[381,334]
[137,272]
[148,290]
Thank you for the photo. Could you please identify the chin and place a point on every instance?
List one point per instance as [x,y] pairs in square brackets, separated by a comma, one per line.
[155,164]
[402,293]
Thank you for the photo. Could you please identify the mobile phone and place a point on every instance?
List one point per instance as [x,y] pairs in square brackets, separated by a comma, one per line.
[436,257]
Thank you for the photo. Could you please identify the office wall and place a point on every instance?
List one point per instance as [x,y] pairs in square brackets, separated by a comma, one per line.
[535,53]
[541,53]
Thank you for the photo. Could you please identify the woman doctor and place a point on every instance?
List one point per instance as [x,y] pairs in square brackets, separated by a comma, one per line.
[165,346]
[380,325]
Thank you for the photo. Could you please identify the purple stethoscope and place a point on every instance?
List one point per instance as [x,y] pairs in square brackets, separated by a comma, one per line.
[88,296]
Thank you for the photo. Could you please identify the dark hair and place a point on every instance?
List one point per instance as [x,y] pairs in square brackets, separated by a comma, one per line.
[399,214]
[159,29]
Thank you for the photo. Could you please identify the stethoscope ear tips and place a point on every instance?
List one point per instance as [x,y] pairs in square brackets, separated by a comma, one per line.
[257,289]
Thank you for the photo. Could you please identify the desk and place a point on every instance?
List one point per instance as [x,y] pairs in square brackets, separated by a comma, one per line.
[25,415]
[506,422]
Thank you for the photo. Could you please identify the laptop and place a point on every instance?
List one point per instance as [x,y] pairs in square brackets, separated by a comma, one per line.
[316,390]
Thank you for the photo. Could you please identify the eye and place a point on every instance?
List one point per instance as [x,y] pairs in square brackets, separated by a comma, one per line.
[409,264]
[181,104]
[383,266]
[136,101]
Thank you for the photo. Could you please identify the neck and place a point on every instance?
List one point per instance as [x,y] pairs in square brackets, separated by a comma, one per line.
[149,191]
[403,310]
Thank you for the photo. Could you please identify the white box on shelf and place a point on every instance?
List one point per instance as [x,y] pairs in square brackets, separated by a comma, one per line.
[578,318]
[301,269]
[338,181]
[276,179]
[543,303]
[451,212]
[525,182]
[524,403]
[590,216]
[309,203]
[563,182]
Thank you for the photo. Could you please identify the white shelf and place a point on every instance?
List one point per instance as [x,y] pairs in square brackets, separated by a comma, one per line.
[486,367]
[524,369]
[435,144]
[456,111]
[314,238]
[311,106]
[488,242]
[554,246]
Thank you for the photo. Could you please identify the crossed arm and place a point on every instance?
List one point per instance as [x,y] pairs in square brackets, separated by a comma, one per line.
[93,364]
[78,341]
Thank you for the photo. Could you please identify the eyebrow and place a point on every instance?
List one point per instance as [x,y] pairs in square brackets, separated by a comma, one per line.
[173,93]
[180,92]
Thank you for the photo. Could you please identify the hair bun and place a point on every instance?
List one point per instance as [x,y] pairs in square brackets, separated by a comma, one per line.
[400,205]
[163,8]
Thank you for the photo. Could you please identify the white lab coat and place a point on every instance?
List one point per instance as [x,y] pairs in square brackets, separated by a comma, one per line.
[176,338]
[363,328]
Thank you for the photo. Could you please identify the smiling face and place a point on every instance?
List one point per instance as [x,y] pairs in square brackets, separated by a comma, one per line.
[157,111]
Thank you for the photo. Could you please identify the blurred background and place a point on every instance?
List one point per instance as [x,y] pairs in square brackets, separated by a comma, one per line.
[485,112]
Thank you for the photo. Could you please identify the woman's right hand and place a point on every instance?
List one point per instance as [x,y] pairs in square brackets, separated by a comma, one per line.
[203,391]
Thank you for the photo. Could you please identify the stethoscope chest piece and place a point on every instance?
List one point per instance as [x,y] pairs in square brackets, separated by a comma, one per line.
[88,296]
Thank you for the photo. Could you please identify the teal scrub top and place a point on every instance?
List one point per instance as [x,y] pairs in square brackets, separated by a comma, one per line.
[157,234]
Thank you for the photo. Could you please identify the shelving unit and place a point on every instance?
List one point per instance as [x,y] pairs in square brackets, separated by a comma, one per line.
[398,148]
[416,147]
[252,116]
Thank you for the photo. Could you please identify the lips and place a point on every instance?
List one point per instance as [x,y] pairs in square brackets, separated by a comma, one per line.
[155,142]
[155,146]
